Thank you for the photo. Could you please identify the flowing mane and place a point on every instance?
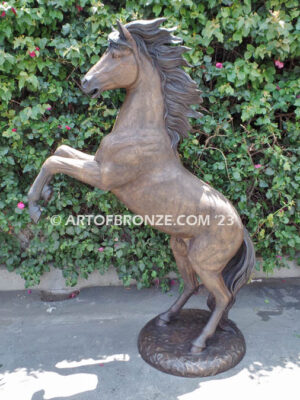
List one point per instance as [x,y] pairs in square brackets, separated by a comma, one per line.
[178,89]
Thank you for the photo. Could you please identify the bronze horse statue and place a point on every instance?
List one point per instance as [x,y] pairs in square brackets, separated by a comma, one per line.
[138,162]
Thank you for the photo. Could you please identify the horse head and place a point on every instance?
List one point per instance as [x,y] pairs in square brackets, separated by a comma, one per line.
[118,66]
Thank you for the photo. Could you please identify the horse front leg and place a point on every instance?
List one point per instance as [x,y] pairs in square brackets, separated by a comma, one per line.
[68,152]
[35,193]
[86,171]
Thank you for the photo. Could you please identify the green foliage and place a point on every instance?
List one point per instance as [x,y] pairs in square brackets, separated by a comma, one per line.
[246,61]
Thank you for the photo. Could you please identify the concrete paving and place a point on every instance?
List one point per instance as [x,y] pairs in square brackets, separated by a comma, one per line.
[85,348]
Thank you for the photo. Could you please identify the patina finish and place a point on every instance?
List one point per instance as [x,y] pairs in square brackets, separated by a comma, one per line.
[167,348]
[139,163]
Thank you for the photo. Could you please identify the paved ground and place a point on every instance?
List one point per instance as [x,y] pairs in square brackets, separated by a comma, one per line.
[85,348]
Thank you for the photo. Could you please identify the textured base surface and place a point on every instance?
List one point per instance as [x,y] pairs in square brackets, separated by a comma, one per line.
[167,348]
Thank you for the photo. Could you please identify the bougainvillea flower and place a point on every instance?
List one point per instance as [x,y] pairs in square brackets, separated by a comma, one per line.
[32,54]
[14,130]
[279,64]
[219,65]
[29,291]
[257,166]
[37,48]
[14,11]
[59,126]
[21,205]
[79,8]
[277,87]
[3,14]
[280,257]
[67,127]
[49,108]
[101,249]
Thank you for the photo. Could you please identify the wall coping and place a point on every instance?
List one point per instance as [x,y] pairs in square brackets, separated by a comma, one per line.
[53,280]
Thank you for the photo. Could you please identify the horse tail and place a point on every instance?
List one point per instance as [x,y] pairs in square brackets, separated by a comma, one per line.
[238,270]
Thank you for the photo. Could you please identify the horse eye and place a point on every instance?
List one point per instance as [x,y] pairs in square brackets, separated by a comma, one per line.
[115,53]
[116,50]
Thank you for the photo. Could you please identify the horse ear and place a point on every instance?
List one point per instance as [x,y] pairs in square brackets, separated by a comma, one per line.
[124,33]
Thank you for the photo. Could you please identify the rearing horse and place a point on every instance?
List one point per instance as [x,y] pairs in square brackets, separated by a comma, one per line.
[139,163]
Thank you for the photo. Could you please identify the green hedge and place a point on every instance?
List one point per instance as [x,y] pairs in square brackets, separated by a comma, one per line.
[245,57]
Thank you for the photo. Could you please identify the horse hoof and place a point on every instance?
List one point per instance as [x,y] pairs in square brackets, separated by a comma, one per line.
[47,193]
[196,349]
[226,327]
[34,212]
[161,321]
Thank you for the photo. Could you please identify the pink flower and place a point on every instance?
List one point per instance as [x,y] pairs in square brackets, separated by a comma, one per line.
[298,96]
[277,87]
[219,65]
[14,130]
[37,49]
[280,257]
[3,14]
[101,249]
[257,166]
[79,8]
[101,365]
[59,126]
[49,108]
[32,54]
[29,291]
[21,205]
[156,282]
[67,127]
[74,294]
[173,282]
[14,11]
[279,64]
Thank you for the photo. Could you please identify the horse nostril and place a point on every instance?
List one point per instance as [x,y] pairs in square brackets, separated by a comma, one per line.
[84,82]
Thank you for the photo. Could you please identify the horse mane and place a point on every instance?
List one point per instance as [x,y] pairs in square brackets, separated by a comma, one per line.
[178,89]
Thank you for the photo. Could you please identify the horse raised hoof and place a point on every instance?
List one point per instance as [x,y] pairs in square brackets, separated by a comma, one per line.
[34,212]
[47,193]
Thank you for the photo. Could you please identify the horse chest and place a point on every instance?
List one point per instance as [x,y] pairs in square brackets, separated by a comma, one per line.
[119,160]
[116,151]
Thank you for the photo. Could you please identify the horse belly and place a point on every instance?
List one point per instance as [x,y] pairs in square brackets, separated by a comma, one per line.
[182,208]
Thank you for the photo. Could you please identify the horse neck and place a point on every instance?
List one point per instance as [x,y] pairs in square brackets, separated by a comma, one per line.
[143,108]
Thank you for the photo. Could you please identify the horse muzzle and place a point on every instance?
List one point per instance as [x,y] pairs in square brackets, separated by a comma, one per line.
[89,88]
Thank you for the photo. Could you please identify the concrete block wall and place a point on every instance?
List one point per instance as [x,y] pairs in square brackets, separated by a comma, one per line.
[53,280]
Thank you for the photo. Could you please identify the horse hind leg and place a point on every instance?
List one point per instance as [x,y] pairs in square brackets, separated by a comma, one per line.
[189,277]
[208,265]
[215,284]
[211,303]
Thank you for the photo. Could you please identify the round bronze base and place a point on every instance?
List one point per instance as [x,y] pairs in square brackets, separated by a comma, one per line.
[167,348]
